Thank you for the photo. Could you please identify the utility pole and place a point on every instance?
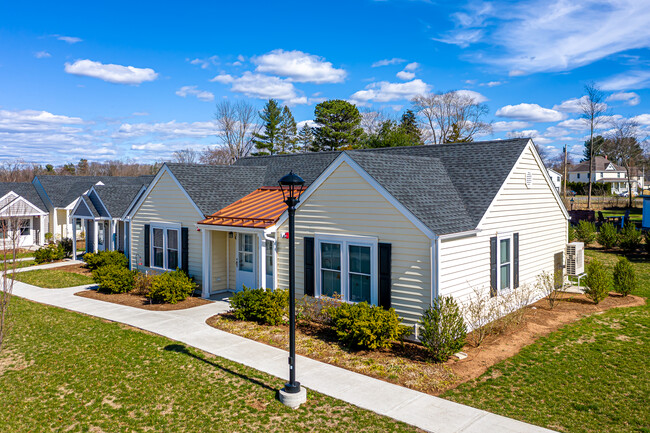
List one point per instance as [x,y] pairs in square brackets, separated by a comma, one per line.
[565,170]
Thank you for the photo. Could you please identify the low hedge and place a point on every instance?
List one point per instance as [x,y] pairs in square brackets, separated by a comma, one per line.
[49,253]
[105,258]
[264,306]
[114,279]
[171,287]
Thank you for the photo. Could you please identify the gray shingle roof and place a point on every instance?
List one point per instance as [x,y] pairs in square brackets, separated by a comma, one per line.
[63,190]
[308,165]
[25,190]
[117,198]
[90,206]
[213,187]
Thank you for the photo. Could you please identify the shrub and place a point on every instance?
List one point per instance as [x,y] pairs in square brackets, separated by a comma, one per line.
[261,305]
[572,233]
[367,326]
[443,329]
[171,287]
[624,277]
[630,238]
[607,236]
[105,258]
[597,281]
[49,237]
[480,312]
[646,236]
[66,245]
[586,232]
[48,253]
[546,286]
[142,284]
[114,279]
[310,309]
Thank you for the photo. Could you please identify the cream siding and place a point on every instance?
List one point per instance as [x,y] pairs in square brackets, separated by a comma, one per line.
[219,268]
[62,227]
[167,203]
[346,204]
[532,212]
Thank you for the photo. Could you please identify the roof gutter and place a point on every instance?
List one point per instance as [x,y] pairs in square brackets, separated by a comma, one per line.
[464,234]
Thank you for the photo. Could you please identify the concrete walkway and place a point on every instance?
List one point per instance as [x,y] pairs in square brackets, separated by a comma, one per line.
[48,266]
[188,326]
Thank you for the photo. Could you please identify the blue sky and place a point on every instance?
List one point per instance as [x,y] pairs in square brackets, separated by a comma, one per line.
[139,80]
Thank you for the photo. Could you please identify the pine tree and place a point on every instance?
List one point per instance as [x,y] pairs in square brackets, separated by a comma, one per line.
[338,125]
[306,138]
[409,126]
[288,132]
[266,141]
[598,147]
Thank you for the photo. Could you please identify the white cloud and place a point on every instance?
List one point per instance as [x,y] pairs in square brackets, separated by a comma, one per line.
[202,95]
[384,91]
[530,113]
[554,131]
[627,81]
[148,146]
[629,98]
[205,63]
[509,126]
[476,96]
[406,76]
[642,119]
[551,35]
[386,62]
[492,83]
[412,66]
[299,67]
[36,121]
[112,73]
[263,86]
[42,55]
[223,79]
[169,130]
[524,133]
[309,123]
[573,124]
[571,105]
[68,39]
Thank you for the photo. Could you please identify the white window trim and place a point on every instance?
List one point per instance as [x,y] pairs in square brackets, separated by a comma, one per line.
[345,241]
[165,227]
[500,237]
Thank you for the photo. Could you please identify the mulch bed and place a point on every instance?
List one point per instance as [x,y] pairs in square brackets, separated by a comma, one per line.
[142,302]
[75,269]
[408,364]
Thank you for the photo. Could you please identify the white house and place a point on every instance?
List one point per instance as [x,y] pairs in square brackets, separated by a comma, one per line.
[23,215]
[605,171]
[556,178]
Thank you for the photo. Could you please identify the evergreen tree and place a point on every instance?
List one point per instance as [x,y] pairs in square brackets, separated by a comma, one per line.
[49,168]
[599,141]
[306,138]
[266,141]
[455,135]
[288,136]
[338,125]
[409,126]
[82,167]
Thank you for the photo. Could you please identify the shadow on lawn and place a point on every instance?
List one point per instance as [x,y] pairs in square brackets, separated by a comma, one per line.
[179,348]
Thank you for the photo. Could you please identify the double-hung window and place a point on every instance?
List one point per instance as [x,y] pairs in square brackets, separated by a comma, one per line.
[347,268]
[504,262]
[165,246]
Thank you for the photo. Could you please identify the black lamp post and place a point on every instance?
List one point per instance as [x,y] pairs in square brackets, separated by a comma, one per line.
[291,186]
[571,203]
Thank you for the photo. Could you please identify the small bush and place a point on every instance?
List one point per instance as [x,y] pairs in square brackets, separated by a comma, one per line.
[48,253]
[608,236]
[597,281]
[171,287]
[572,233]
[586,232]
[310,309]
[49,237]
[443,329]
[66,245]
[105,258]
[624,277]
[546,286]
[261,305]
[114,279]
[630,238]
[142,286]
[367,326]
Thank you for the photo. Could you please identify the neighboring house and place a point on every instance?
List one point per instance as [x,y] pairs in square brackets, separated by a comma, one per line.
[22,214]
[102,212]
[392,227]
[556,178]
[61,193]
[605,171]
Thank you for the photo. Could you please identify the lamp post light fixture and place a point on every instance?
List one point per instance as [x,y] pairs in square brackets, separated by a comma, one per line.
[292,186]
[571,203]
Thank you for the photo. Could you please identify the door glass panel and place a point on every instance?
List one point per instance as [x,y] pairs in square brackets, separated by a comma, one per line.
[269,258]
[100,233]
[246,257]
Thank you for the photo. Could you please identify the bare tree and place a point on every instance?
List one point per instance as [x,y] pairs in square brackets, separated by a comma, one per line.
[236,122]
[372,120]
[186,156]
[593,108]
[622,145]
[453,114]
[217,155]
[10,232]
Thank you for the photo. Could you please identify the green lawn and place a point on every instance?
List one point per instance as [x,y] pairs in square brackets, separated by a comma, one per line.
[21,264]
[635,213]
[52,278]
[70,372]
[18,255]
[590,376]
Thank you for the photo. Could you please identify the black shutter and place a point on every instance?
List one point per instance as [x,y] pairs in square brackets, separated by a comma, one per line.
[309,279]
[515,260]
[147,249]
[185,250]
[384,275]
[493,266]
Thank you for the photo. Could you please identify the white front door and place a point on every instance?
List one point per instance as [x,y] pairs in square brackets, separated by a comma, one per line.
[245,261]
[25,232]
[101,236]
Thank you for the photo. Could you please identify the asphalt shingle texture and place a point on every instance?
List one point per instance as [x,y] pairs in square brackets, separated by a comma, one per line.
[25,190]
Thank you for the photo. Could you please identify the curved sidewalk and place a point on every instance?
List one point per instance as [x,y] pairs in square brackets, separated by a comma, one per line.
[427,412]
